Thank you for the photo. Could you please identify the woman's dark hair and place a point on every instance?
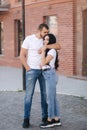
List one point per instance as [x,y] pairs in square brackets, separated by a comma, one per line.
[52,40]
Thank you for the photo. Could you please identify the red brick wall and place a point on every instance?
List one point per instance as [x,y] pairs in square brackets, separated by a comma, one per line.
[81,5]
[8,58]
[63,9]
[64,12]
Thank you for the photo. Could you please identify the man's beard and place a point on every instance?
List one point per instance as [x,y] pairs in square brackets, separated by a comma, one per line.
[41,36]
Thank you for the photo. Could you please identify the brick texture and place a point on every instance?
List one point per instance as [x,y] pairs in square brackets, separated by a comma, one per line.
[68,35]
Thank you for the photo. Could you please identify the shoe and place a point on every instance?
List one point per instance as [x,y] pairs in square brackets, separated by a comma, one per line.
[56,122]
[47,124]
[44,119]
[26,123]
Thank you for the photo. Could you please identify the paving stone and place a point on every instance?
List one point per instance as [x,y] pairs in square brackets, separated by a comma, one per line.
[73,112]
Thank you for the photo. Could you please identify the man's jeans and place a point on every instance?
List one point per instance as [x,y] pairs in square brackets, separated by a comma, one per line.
[31,77]
[51,79]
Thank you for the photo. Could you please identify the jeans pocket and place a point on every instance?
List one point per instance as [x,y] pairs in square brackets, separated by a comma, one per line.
[28,70]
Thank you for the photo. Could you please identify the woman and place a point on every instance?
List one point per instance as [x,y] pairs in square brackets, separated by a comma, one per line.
[49,64]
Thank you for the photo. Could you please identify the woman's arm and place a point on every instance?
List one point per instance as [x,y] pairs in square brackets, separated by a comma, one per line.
[47,59]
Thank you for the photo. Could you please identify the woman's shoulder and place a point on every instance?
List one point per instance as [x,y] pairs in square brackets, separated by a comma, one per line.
[52,51]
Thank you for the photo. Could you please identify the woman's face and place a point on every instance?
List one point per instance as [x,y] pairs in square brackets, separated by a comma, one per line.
[46,40]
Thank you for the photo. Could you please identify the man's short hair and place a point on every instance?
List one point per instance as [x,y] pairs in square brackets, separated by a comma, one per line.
[41,26]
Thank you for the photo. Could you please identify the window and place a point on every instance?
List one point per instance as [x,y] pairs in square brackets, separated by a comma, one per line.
[52,23]
[18,36]
[18,0]
[3,1]
[1,38]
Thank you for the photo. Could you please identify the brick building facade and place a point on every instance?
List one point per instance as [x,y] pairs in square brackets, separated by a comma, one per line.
[66,18]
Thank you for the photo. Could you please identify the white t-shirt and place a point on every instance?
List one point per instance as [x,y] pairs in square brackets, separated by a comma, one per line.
[33,44]
[51,52]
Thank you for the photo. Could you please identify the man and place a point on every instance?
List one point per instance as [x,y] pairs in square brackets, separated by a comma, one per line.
[31,60]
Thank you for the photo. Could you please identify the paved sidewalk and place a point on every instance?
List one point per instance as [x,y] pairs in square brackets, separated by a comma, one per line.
[11,80]
[73,112]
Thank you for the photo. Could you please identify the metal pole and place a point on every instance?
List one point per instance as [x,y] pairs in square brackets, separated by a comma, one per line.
[0,40]
[23,37]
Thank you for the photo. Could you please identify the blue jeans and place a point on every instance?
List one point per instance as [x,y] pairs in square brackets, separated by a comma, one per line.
[51,79]
[31,77]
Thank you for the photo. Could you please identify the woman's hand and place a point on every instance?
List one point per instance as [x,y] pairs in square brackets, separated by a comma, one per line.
[40,51]
[44,48]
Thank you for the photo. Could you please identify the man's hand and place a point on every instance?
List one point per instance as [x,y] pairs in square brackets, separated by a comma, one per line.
[27,68]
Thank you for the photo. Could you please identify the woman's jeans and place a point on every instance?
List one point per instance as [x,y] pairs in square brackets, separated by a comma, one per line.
[51,79]
[31,77]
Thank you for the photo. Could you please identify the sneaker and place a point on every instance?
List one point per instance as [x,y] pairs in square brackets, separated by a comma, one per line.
[26,123]
[56,122]
[44,119]
[47,124]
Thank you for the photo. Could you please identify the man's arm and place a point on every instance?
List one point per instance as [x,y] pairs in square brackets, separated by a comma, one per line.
[23,58]
[54,46]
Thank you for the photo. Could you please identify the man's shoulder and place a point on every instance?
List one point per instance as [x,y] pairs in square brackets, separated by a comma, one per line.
[30,36]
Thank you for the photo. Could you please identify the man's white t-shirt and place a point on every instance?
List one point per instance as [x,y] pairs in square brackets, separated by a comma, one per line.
[33,44]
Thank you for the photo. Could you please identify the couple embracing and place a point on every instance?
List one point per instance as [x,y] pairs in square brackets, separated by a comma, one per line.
[39,56]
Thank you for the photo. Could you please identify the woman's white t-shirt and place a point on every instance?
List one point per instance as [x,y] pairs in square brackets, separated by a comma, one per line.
[52,52]
[51,64]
